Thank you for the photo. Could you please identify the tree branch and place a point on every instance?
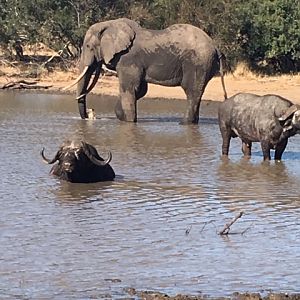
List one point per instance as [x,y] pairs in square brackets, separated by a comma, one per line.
[226,229]
[23,84]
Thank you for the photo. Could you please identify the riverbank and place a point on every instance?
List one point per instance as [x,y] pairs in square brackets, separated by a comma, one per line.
[241,80]
[151,295]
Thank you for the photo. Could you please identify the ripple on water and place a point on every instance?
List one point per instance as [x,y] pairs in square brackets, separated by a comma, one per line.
[155,227]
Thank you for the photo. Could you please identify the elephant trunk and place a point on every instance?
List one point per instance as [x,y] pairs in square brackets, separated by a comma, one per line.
[83,90]
[82,108]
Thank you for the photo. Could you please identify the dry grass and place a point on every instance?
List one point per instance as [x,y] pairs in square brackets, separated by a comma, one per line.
[243,70]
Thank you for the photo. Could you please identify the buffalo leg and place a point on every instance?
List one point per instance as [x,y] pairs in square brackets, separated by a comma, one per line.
[226,136]
[280,148]
[265,146]
[246,148]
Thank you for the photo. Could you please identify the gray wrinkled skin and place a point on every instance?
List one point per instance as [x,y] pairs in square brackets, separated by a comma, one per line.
[266,119]
[181,55]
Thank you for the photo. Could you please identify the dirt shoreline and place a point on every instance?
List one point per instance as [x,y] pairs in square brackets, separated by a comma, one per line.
[285,86]
[151,295]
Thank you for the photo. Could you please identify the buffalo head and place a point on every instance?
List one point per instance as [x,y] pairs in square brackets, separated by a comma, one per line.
[80,162]
[290,120]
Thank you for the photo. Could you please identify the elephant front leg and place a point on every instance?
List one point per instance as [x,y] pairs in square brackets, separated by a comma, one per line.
[125,108]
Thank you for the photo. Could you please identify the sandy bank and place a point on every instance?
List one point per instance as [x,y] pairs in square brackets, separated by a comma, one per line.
[285,86]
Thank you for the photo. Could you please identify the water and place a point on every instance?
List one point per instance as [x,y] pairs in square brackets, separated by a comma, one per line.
[153,228]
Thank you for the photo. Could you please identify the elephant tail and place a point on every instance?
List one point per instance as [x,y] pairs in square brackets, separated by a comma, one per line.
[222,59]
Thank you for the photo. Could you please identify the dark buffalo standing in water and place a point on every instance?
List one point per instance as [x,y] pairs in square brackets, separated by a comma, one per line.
[80,162]
[267,119]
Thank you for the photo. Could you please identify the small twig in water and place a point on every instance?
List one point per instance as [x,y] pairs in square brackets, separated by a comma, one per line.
[244,231]
[226,229]
[187,232]
[206,223]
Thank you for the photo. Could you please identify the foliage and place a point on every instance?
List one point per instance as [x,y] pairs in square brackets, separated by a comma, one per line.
[271,30]
[265,34]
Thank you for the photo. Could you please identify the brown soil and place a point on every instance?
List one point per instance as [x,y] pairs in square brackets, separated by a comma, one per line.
[149,295]
[240,81]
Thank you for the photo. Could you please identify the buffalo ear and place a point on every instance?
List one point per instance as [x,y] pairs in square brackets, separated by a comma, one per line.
[296,119]
[117,37]
[288,113]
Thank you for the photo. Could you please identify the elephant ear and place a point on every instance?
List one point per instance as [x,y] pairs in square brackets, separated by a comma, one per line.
[116,38]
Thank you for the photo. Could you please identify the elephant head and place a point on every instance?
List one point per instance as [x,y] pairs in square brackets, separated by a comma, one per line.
[102,42]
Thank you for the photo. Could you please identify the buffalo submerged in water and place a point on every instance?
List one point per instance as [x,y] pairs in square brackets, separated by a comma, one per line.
[80,162]
[268,119]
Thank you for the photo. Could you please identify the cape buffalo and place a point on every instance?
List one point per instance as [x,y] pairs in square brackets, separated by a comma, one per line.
[268,119]
[80,162]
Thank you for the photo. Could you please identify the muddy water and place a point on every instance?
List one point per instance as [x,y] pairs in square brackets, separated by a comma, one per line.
[156,226]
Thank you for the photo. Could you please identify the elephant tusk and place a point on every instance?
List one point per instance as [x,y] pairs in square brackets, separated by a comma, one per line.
[81,96]
[106,69]
[77,79]
[95,79]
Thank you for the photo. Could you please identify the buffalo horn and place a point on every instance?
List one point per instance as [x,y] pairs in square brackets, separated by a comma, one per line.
[292,109]
[94,159]
[47,160]
[80,76]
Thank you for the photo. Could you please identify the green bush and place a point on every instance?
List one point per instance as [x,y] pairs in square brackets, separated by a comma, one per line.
[265,34]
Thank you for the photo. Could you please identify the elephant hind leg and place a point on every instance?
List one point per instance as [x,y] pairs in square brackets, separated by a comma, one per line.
[141,90]
[193,85]
[193,105]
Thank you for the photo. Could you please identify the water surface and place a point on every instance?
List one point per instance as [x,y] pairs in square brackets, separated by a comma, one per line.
[153,228]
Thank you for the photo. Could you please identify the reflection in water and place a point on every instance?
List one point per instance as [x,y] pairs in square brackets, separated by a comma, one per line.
[61,240]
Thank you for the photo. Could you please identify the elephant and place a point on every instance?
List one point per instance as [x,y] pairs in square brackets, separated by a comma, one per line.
[180,55]
[80,162]
[268,119]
